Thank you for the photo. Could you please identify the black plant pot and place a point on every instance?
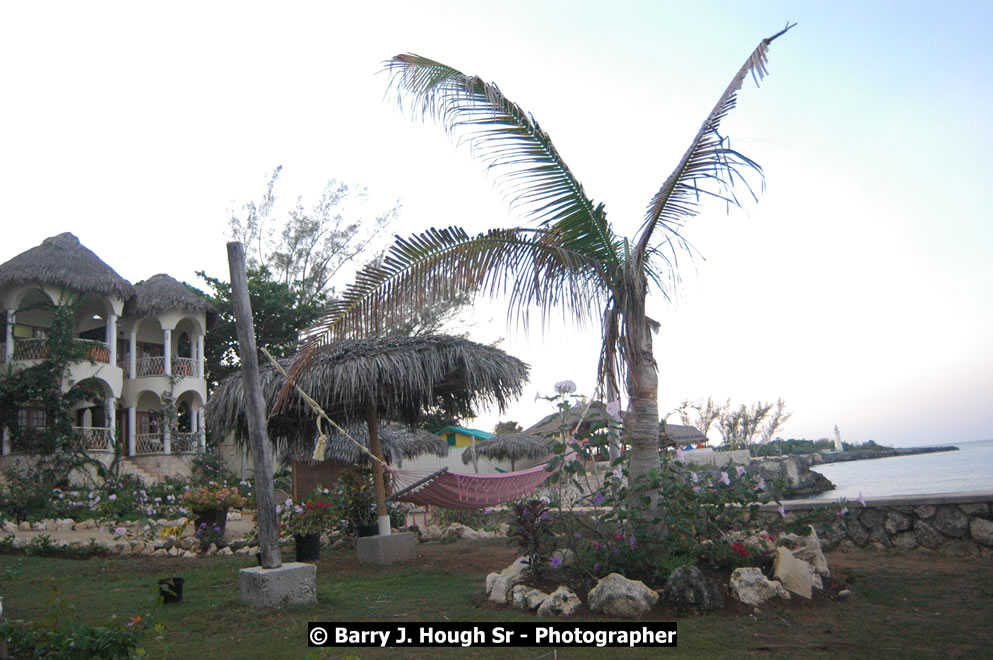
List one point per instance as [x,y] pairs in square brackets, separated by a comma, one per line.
[367,530]
[171,589]
[308,546]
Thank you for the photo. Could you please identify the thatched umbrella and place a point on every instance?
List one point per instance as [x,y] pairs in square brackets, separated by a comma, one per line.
[64,261]
[509,446]
[396,378]
[397,442]
[681,434]
[161,293]
[596,414]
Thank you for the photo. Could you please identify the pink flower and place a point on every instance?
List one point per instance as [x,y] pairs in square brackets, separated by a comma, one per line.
[680,455]
[844,510]
[739,548]
[740,470]
[781,510]
[724,479]
[761,485]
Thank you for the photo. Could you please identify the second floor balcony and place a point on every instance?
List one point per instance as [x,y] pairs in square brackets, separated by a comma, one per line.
[155,366]
[39,349]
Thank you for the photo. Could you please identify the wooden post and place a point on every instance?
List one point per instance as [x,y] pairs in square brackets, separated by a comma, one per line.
[377,471]
[259,441]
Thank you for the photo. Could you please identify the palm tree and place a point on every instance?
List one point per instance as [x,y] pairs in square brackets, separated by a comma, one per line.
[568,254]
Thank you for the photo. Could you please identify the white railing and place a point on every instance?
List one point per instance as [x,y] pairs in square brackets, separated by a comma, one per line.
[94,438]
[184,367]
[148,443]
[185,443]
[31,349]
[150,366]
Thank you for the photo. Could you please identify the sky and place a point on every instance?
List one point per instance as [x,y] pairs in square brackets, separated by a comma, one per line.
[857,287]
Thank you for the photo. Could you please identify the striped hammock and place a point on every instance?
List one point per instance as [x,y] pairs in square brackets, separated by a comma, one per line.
[458,490]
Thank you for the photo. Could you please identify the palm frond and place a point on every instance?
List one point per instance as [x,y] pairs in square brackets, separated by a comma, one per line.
[534,267]
[510,143]
[709,168]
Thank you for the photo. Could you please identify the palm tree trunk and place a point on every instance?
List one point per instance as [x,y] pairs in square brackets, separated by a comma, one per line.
[642,422]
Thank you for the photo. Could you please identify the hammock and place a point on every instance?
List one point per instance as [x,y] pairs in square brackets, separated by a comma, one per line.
[458,490]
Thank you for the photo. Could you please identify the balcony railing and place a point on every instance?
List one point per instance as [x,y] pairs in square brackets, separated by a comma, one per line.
[155,366]
[148,443]
[94,438]
[185,443]
[38,349]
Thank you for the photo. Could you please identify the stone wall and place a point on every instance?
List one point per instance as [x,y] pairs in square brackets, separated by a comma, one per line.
[951,523]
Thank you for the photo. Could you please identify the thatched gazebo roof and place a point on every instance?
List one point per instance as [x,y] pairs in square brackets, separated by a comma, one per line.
[509,447]
[682,434]
[64,261]
[398,377]
[597,414]
[397,441]
[161,293]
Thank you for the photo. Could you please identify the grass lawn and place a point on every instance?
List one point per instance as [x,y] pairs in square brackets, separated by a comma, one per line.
[903,605]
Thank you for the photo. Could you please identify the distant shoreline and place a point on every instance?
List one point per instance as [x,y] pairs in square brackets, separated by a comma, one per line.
[866,454]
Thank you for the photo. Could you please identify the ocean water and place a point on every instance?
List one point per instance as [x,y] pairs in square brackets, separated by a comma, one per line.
[969,469]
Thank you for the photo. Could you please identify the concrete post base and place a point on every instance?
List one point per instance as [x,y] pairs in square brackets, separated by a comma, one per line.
[290,584]
[392,549]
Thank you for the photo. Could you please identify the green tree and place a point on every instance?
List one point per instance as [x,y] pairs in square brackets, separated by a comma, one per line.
[507,427]
[568,254]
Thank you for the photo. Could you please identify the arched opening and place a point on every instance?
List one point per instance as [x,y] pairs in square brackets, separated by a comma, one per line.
[33,321]
[94,415]
[148,424]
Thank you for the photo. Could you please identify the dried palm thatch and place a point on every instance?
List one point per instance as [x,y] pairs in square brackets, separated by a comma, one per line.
[682,434]
[397,442]
[552,424]
[509,447]
[397,377]
[64,261]
[161,293]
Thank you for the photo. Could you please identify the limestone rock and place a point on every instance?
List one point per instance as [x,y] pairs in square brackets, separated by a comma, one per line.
[760,541]
[149,549]
[455,530]
[225,552]
[524,597]
[807,548]
[24,526]
[64,525]
[9,526]
[503,529]
[925,511]
[928,536]
[951,522]
[689,590]
[981,531]
[498,585]
[561,602]
[189,555]
[38,526]
[161,552]
[617,596]
[566,557]
[212,550]
[975,509]
[796,575]
[234,515]
[174,552]
[905,541]
[898,522]
[432,533]
[751,587]
[469,534]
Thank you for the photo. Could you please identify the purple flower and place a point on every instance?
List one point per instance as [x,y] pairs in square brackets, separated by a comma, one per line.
[761,485]
[596,567]
[724,479]
[556,561]
[120,531]
[614,410]
[860,499]
[844,510]
[112,497]
[578,535]
[781,510]
[739,470]
[632,542]
[544,515]
[565,387]
[680,455]
[598,499]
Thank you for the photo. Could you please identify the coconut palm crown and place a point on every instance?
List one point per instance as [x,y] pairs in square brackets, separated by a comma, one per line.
[568,254]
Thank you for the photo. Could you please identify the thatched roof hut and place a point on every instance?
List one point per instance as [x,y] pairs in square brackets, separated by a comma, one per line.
[161,293]
[681,434]
[397,442]
[509,447]
[64,261]
[596,414]
[399,377]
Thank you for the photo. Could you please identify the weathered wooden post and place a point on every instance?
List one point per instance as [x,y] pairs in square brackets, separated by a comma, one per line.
[272,584]
[257,438]
[383,518]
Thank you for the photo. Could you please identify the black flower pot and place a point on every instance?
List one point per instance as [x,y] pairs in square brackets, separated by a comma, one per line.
[171,589]
[308,546]
[367,530]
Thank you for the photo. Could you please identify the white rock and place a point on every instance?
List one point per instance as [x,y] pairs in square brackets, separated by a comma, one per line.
[432,533]
[795,574]
[24,526]
[38,526]
[161,552]
[524,597]
[561,602]
[64,525]
[224,552]
[149,549]
[212,550]
[807,548]
[174,552]
[10,526]
[565,556]
[751,587]
[470,534]
[242,550]
[85,524]
[617,596]
[189,555]
[234,515]
[455,530]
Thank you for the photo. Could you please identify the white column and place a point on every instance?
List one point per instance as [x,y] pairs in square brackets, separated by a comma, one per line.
[6,441]
[87,417]
[111,335]
[166,439]
[133,352]
[167,352]
[200,365]
[112,420]
[202,438]
[10,335]
[132,423]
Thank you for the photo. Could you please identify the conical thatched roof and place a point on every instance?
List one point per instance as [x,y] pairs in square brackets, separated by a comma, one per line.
[597,414]
[161,293]
[401,377]
[509,447]
[397,442]
[683,434]
[64,261]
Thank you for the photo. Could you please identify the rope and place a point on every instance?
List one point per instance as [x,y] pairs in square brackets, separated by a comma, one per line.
[322,439]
